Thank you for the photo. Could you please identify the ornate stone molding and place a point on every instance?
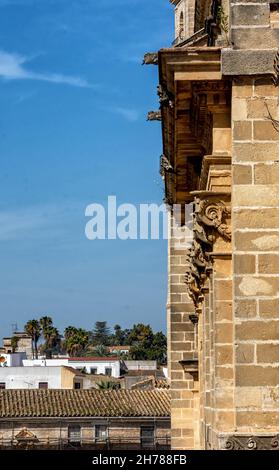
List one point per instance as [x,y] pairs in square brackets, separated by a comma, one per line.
[212,214]
[209,219]
[252,443]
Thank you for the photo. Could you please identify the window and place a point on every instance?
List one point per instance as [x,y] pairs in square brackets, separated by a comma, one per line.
[101,431]
[181,26]
[147,437]
[43,385]
[77,385]
[74,434]
[2,385]
[93,370]
[108,371]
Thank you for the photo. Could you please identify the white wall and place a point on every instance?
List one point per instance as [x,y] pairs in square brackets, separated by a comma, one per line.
[14,359]
[99,365]
[29,377]
[77,364]
[141,365]
[45,362]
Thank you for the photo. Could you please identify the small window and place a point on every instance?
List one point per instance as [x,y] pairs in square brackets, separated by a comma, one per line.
[43,385]
[2,385]
[101,432]
[93,370]
[108,371]
[147,435]
[74,434]
[181,26]
[77,385]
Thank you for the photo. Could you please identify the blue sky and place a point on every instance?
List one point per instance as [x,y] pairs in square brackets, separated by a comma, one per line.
[73,130]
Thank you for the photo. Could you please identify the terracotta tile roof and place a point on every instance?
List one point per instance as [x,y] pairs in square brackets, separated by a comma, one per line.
[152,383]
[84,403]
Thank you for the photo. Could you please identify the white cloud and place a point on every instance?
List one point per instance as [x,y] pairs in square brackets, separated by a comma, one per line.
[129,114]
[12,67]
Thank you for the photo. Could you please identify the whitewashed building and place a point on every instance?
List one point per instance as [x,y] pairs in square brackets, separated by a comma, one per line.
[55,377]
[109,366]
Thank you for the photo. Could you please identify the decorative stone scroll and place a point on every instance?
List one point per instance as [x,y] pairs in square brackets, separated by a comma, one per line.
[209,219]
[213,214]
[252,443]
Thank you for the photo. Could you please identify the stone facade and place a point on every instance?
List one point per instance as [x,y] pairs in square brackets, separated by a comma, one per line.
[221,141]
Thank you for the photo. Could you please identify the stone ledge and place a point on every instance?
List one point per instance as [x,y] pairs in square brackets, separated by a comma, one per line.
[247,62]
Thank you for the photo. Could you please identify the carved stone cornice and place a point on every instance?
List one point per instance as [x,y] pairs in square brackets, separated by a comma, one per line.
[252,442]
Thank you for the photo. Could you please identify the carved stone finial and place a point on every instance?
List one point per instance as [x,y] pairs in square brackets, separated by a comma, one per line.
[150,58]
[154,116]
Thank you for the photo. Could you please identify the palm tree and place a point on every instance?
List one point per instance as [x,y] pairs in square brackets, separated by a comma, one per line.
[33,329]
[50,333]
[101,351]
[109,385]
[76,340]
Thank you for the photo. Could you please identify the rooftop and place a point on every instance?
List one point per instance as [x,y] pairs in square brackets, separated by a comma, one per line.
[94,359]
[84,403]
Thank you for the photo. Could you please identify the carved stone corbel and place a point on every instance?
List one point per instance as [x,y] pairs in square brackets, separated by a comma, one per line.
[213,214]
[154,115]
[150,58]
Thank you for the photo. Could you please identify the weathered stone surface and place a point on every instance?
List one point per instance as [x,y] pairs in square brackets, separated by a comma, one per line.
[245,308]
[242,174]
[255,152]
[248,397]
[269,308]
[249,62]
[244,264]
[268,353]
[253,330]
[242,130]
[245,353]
[255,195]
[256,218]
[253,375]
[257,241]
[267,173]
[265,130]
[250,14]
[252,286]
[268,264]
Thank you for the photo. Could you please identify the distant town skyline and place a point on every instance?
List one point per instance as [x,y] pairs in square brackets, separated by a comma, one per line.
[74,101]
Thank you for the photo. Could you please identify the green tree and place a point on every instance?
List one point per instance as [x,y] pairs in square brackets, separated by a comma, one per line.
[141,334]
[100,351]
[76,341]
[33,329]
[100,334]
[51,336]
[109,385]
